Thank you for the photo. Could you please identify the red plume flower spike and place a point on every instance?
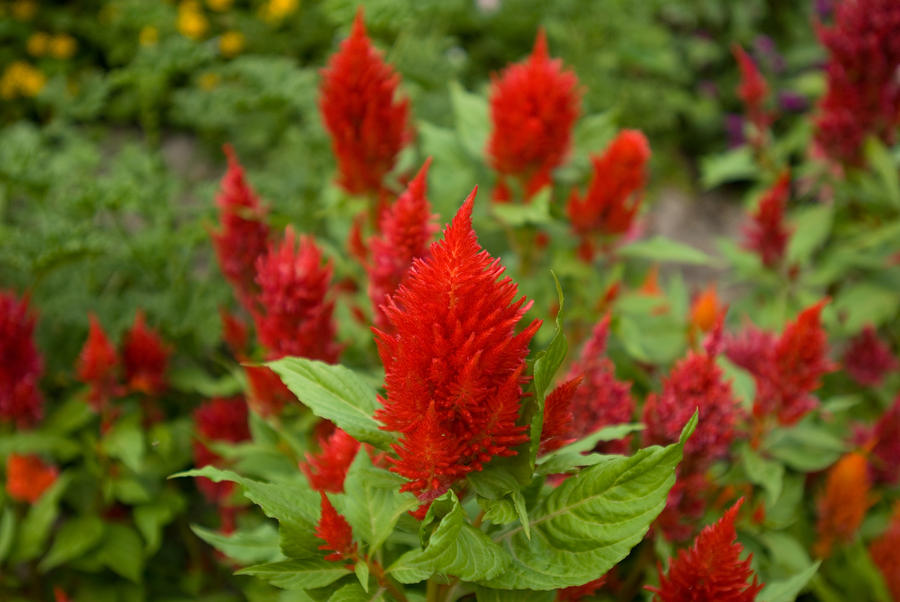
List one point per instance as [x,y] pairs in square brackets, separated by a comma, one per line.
[327,469]
[885,553]
[368,125]
[534,105]
[711,569]
[21,364]
[613,197]
[406,231]
[244,233]
[336,532]
[844,502]
[886,448]
[28,477]
[868,359]
[267,394]
[752,91]
[218,420]
[453,362]
[294,316]
[766,233]
[97,365]
[145,357]
[558,418]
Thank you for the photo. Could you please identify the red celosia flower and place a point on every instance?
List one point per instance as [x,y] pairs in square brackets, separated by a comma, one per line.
[863,96]
[885,552]
[766,233]
[97,365]
[613,197]
[868,359]
[267,394]
[752,91]
[559,424]
[696,382]
[218,420]
[294,316]
[20,363]
[711,569]
[534,105]
[406,231]
[60,595]
[685,505]
[453,362]
[28,477]
[327,469]
[577,592]
[368,125]
[886,446]
[601,400]
[234,331]
[335,531]
[145,357]
[844,502]
[244,232]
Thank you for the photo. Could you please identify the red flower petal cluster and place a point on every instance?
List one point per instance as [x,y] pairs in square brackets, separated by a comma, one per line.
[145,357]
[844,502]
[453,362]
[294,317]
[766,233]
[218,420]
[711,569]
[368,126]
[327,469]
[268,394]
[601,400]
[885,552]
[863,96]
[20,363]
[244,233]
[534,105]
[613,197]
[868,359]
[886,446]
[752,90]
[336,532]
[28,477]
[234,331]
[577,592]
[685,504]
[97,365]
[406,231]
[558,418]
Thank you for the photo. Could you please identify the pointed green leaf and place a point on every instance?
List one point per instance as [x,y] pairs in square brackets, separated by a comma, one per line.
[362,574]
[352,592]
[787,590]
[298,574]
[74,538]
[768,474]
[122,551]
[471,115]
[486,594]
[815,226]
[248,546]
[35,529]
[665,250]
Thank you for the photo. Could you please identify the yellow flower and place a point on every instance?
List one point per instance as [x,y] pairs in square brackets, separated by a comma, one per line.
[276,10]
[21,79]
[219,5]
[23,10]
[192,22]
[37,44]
[149,36]
[208,81]
[231,43]
[63,46]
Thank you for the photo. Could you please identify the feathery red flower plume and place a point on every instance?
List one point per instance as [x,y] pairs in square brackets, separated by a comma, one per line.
[711,569]
[863,96]
[268,394]
[406,231]
[885,553]
[534,105]
[28,477]
[294,316]
[453,362]
[97,365]
[577,592]
[844,502]
[752,90]
[327,469]
[558,418]
[886,447]
[21,364]
[613,197]
[868,359]
[368,125]
[218,420]
[766,233]
[601,400]
[685,504]
[234,331]
[244,233]
[336,532]
[145,357]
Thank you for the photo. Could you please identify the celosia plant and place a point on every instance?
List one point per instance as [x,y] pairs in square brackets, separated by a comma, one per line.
[21,365]
[145,358]
[28,477]
[844,502]
[766,233]
[98,366]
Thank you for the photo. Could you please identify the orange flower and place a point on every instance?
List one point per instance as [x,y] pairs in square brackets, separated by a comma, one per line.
[706,309]
[844,503]
[885,552]
[28,477]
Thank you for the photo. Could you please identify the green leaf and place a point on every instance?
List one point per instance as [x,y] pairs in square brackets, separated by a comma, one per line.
[352,592]
[361,569]
[36,442]
[36,527]
[471,116]
[766,473]
[7,532]
[536,212]
[885,168]
[786,590]
[591,521]
[866,303]
[151,518]
[122,551]
[68,417]
[737,164]
[125,441]
[298,574]
[661,249]
[813,225]
[244,546]
[498,512]
[74,538]
[486,594]
[805,447]
[335,393]
[742,382]
[572,456]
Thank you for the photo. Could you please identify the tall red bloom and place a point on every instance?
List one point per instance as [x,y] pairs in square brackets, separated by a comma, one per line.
[267,394]
[534,105]
[406,231]
[613,197]
[885,552]
[752,90]
[97,365]
[295,318]
[243,234]
[21,364]
[886,446]
[868,359]
[766,233]
[336,532]
[369,126]
[685,504]
[711,569]
[218,420]
[863,96]
[327,469]
[28,477]
[145,357]
[453,362]
[844,502]
[601,400]
[559,424]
